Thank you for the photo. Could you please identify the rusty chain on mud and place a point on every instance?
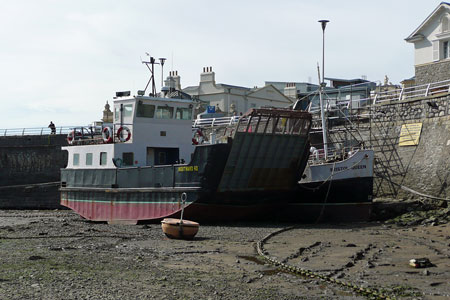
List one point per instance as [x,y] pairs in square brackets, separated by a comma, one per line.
[370,293]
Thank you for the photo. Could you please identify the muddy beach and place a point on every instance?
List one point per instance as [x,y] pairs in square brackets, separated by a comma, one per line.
[58,255]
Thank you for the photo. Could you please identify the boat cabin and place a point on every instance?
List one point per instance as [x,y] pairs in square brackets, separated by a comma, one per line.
[147,131]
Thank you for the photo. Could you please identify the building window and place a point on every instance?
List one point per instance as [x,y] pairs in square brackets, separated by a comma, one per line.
[88,159]
[127,159]
[76,159]
[445,49]
[103,158]
[445,24]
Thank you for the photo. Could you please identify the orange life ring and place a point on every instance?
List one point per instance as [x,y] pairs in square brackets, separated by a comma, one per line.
[120,134]
[107,135]
[197,137]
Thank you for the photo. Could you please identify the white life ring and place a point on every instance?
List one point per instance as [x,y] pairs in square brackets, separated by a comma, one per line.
[71,137]
[121,135]
[197,137]
[107,135]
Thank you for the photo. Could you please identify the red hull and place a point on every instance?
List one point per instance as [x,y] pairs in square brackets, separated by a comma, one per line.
[221,213]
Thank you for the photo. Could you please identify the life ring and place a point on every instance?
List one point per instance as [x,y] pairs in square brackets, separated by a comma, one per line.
[197,137]
[121,135]
[107,135]
[71,137]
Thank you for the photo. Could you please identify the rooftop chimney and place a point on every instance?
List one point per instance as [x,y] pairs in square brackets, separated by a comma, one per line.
[208,75]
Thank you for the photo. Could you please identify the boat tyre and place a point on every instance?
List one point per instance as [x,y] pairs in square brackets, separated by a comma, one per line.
[197,137]
[71,137]
[107,135]
[124,137]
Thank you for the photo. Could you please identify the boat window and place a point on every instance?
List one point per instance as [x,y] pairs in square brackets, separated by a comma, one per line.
[164,112]
[162,158]
[103,158]
[127,158]
[183,113]
[88,159]
[145,110]
[76,159]
[128,110]
[116,113]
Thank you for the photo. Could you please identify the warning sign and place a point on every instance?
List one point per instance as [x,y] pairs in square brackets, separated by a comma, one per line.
[410,134]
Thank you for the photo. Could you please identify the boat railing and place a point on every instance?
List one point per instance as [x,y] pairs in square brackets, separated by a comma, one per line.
[317,156]
[211,122]
[104,134]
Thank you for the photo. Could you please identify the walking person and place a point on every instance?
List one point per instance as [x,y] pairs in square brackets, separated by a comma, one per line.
[52,127]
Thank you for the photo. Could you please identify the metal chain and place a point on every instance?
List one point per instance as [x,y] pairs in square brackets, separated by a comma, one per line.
[367,292]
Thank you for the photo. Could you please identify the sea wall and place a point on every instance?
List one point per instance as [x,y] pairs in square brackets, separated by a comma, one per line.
[424,167]
[27,165]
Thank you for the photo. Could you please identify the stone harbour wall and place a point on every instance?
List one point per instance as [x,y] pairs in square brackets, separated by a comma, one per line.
[425,167]
[30,160]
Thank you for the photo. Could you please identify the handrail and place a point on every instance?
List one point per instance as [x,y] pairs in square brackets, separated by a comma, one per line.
[405,93]
[211,122]
[34,131]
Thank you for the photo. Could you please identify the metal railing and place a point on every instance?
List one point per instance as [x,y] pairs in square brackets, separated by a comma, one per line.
[210,122]
[35,131]
[405,93]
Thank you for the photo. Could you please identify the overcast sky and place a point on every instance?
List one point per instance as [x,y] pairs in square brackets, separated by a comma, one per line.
[62,60]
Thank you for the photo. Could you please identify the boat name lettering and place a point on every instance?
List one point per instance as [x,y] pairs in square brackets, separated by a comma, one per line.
[188,169]
[337,169]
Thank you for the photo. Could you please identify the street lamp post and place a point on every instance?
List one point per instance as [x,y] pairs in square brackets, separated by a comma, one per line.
[322,86]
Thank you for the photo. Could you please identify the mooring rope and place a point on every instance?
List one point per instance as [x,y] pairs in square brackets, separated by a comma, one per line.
[367,292]
[30,185]
[410,190]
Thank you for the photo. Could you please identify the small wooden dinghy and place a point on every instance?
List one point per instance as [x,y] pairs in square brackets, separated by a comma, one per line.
[179,228]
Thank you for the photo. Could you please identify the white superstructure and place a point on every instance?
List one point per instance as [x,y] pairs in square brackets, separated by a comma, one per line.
[146,131]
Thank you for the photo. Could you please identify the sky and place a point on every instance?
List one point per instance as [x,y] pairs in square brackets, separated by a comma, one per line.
[61,60]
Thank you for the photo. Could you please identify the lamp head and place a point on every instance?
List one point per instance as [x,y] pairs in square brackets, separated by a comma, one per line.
[324,23]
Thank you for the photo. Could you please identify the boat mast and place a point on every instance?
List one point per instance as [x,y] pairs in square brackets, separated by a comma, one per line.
[321,87]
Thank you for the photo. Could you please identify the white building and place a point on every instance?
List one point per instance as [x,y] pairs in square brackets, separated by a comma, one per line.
[432,46]
[234,100]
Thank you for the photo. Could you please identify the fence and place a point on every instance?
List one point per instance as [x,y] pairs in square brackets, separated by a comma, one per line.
[379,97]
[34,131]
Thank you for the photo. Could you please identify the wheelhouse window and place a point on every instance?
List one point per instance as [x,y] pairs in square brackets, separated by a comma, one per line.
[116,113]
[88,159]
[164,112]
[103,158]
[145,110]
[128,110]
[183,113]
[76,159]
[127,158]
